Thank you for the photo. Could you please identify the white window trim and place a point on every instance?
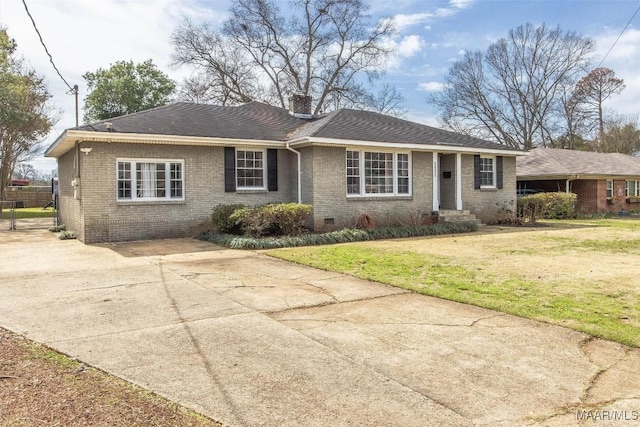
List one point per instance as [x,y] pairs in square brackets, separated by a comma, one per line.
[494,178]
[363,184]
[637,186]
[264,170]
[134,194]
[606,188]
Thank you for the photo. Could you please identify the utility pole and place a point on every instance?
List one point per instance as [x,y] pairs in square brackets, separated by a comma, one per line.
[75,92]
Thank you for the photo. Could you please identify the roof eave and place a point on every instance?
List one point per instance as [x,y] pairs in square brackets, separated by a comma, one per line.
[439,147]
[69,138]
[572,177]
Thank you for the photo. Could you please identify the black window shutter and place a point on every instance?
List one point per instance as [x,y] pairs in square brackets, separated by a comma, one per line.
[272,169]
[476,172]
[229,169]
[499,172]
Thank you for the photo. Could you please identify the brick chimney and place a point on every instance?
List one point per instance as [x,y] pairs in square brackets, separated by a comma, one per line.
[300,105]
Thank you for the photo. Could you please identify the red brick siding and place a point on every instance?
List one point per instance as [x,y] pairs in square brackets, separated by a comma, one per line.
[592,193]
[587,191]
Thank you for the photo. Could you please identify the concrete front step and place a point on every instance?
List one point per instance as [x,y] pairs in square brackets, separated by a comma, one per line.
[457,216]
[452,212]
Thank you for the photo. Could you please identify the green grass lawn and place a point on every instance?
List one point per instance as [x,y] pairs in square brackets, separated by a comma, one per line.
[23,213]
[584,275]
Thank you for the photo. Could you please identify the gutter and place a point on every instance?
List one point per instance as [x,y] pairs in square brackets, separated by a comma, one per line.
[439,147]
[67,140]
[288,147]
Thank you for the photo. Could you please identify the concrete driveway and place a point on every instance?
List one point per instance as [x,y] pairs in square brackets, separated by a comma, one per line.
[253,341]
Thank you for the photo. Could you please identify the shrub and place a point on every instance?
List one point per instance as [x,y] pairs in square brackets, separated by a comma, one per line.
[57,228]
[251,221]
[221,218]
[559,205]
[285,218]
[546,205]
[266,220]
[66,235]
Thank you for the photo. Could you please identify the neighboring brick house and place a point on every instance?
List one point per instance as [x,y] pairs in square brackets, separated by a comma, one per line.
[157,173]
[604,182]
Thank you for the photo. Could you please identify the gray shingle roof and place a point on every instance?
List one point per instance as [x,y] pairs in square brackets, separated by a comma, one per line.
[260,121]
[253,120]
[549,162]
[361,125]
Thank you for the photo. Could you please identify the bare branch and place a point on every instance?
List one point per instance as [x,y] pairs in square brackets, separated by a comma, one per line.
[513,91]
[328,49]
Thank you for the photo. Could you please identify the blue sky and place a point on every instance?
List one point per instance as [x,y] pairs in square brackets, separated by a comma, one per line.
[85,35]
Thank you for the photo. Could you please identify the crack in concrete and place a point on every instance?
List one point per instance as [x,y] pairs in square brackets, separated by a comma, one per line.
[110,287]
[323,304]
[323,291]
[327,321]
[146,328]
[591,383]
[487,318]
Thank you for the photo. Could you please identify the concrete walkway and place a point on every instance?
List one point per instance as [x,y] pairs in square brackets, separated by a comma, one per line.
[253,341]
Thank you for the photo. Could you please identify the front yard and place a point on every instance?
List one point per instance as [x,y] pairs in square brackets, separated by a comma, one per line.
[582,274]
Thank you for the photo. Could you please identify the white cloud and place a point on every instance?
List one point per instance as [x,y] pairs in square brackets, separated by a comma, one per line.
[402,22]
[461,4]
[409,46]
[430,86]
[86,35]
[624,60]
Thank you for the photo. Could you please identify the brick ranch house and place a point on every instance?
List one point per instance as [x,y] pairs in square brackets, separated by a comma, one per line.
[158,173]
[604,182]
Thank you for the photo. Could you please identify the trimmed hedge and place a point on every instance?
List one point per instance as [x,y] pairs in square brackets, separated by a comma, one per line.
[547,205]
[341,236]
[275,219]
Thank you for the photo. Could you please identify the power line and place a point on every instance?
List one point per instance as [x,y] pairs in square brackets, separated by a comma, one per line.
[72,89]
[614,43]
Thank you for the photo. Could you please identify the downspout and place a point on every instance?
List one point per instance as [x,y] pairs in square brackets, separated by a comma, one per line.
[299,171]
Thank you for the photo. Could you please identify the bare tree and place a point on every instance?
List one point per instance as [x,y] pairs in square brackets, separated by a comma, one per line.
[593,90]
[576,123]
[620,135]
[389,101]
[25,171]
[328,49]
[512,93]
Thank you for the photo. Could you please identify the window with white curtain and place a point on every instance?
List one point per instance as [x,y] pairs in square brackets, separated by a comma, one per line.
[150,179]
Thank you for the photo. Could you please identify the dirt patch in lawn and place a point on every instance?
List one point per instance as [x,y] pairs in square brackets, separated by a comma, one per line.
[39,387]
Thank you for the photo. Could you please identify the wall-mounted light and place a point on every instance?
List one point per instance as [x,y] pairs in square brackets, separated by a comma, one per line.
[86,150]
